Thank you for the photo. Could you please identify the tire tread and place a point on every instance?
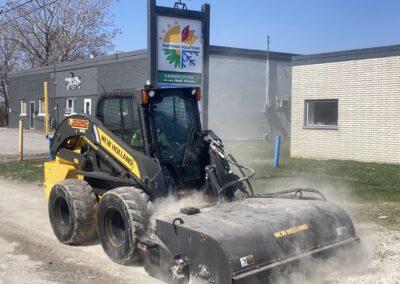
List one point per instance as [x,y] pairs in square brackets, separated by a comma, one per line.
[84,204]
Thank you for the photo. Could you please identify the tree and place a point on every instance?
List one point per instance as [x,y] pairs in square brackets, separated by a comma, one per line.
[9,60]
[34,33]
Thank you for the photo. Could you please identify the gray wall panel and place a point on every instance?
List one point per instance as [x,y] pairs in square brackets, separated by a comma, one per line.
[30,88]
[88,82]
[123,75]
[238,95]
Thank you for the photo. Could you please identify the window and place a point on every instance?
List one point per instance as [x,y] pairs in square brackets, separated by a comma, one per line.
[321,113]
[23,107]
[41,107]
[70,106]
[87,106]
[120,115]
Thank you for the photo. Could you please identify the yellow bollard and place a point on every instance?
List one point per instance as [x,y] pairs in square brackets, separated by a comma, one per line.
[21,141]
[46,110]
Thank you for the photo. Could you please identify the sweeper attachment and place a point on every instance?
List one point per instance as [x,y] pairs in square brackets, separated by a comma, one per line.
[112,169]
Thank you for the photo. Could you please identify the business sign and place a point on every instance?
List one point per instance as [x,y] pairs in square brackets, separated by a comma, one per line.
[180,52]
[73,83]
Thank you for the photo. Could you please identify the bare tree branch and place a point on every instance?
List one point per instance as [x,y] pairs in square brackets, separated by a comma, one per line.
[43,32]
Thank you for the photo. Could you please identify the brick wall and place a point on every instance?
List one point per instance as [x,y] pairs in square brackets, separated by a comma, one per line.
[368,91]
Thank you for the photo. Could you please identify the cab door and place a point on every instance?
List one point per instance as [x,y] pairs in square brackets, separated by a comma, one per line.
[120,115]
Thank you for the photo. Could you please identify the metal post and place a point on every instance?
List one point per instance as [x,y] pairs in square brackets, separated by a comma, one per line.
[206,43]
[267,83]
[21,141]
[152,41]
[267,105]
[277,150]
[46,110]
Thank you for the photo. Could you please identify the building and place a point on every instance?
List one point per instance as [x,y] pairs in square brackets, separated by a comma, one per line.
[236,101]
[346,105]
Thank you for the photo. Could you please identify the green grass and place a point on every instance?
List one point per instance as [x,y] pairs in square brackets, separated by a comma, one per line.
[367,181]
[28,171]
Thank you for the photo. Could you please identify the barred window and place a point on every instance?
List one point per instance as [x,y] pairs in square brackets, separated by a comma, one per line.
[70,106]
[121,116]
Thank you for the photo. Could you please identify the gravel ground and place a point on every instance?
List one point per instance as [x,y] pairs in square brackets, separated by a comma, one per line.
[29,253]
[35,143]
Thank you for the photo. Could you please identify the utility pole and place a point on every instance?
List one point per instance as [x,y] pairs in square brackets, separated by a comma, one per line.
[267,79]
[267,100]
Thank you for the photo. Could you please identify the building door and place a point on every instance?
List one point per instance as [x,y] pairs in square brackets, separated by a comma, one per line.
[32,114]
[87,107]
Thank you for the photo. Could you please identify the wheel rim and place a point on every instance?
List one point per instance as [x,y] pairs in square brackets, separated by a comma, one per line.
[115,231]
[62,212]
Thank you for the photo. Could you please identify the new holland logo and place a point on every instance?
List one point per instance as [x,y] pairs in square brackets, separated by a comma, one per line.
[179,46]
[116,150]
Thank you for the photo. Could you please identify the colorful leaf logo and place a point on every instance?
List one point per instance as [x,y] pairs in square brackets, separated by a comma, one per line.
[185,34]
[180,57]
[188,36]
[173,57]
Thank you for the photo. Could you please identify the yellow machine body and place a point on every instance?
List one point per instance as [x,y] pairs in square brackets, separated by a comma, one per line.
[56,171]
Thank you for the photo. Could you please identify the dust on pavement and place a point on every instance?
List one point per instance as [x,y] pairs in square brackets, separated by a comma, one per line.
[29,252]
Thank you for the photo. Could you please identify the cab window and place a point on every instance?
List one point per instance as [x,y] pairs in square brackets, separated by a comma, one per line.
[120,115]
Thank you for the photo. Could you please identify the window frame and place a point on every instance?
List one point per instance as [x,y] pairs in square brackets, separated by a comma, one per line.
[306,124]
[73,111]
[87,100]
[40,110]
[114,127]
[23,101]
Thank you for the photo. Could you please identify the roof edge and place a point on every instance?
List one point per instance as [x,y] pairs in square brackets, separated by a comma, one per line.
[346,55]
[123,56]
[89,62]
[252,53]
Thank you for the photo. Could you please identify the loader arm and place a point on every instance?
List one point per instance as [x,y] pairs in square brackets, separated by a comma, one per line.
[96,152]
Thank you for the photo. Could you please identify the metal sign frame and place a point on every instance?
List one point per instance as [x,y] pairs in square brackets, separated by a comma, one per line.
[153,11]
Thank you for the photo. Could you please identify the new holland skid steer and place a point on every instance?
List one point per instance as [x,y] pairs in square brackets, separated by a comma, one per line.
[109,170]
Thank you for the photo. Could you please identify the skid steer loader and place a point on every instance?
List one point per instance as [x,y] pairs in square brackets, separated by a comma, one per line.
[109,170]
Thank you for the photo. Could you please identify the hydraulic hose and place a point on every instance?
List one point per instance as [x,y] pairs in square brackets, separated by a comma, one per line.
[242,172]
[217,147]
[245,178]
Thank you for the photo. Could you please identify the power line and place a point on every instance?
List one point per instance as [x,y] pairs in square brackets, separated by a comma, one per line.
[6,4]
[28,13]
[18,6]
[13,8]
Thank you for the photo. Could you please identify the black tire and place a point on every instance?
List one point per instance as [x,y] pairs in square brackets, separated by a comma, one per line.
[72,212]
[122,219]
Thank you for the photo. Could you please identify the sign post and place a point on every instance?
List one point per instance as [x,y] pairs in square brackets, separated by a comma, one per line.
[178,41]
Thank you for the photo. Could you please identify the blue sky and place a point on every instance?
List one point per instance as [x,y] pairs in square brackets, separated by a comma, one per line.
[305,27]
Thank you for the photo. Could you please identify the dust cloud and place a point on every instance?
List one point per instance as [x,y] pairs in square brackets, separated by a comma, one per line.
[344,263]
[370,261]
[334,268]
[172,204]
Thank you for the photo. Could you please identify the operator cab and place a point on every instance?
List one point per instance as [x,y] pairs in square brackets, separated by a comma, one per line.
[163,123]
[176,132]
